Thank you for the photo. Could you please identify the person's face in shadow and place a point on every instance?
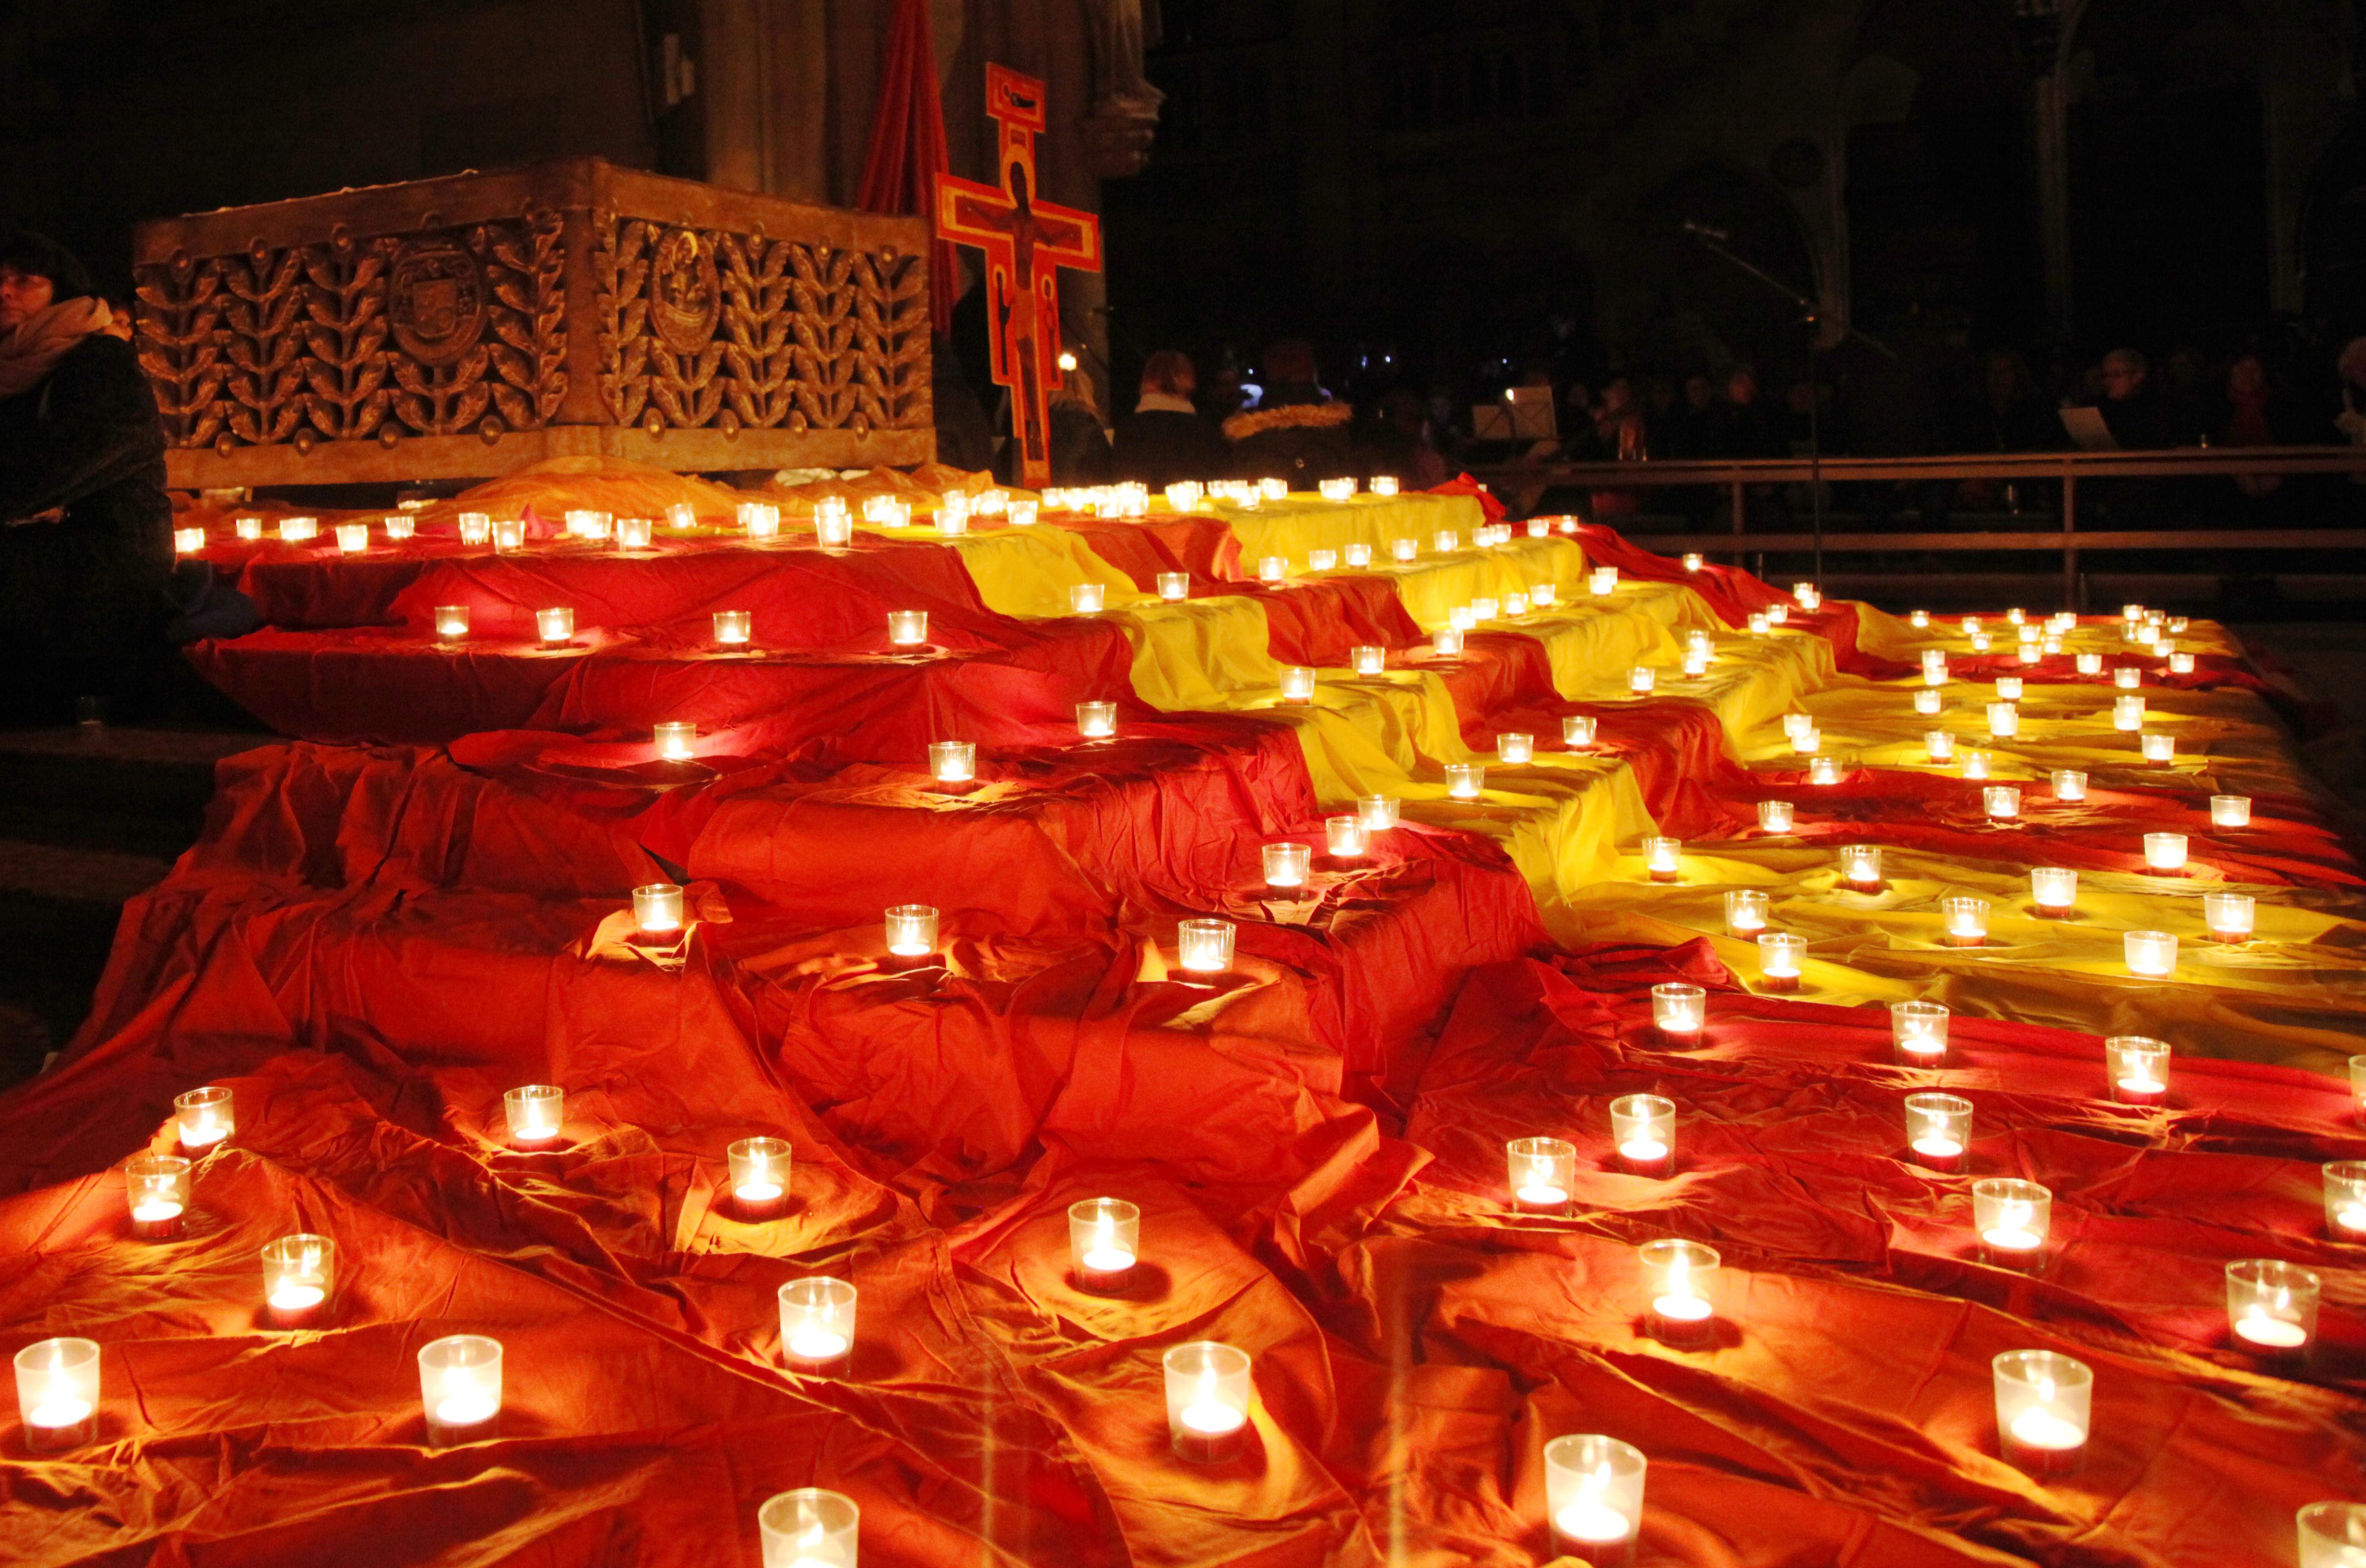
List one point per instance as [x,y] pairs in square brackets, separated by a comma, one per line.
[22,296]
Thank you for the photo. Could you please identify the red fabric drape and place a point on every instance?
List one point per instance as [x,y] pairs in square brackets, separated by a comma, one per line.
[907,145]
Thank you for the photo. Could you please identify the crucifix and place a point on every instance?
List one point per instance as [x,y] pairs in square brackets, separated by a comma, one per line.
[1026,242]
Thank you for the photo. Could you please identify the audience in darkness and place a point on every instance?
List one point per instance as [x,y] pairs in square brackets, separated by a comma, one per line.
[1167,438]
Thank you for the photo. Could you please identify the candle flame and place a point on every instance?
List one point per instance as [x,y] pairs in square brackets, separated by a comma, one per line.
[1104,1233]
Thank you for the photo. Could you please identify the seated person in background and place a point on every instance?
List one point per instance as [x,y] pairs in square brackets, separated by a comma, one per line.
[1080,449]
[86,528]
[2132,410]
[1399,444]
[1297,432]
[1165,439]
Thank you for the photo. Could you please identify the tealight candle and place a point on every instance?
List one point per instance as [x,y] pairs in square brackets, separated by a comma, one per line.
[1104,1240]
[1087,598]
[817,1316]
[460,1387]
[2164,851]
[1447,542]
[1760,623]
[658,908]
[57,1393]
[204,1116]
[2127,678]
[1641,679]
[1403,549]
[2271,1304]
[2091,664]
[907,628]
[1514,748]
[2230,811]
[1274,489]
[2136,1067]
[451,621]
[557,625]
[1286,865]
[1679,1010]
[1593,1490]
[1663,857]
[2004,720]
[1207,1393]
[1918,1031]
[2016,615]
[300,1274]
[1204,946]
[1745,911]
[1360,555]
[1463,617]
[2055,888]
[1971,625]
[1975,765]
[682,517]
[2011,1218]
[1775,816]
[1918,618]
[759,1171]
[1096,721]
[911,930]
[535,1112]
[1483,609]
[1808,594]
[1780,956]
[1184,494]
[1693,560]
[1322,560]
[1542,595]
[677,741]
[1577,728]
[1368,658]
[1824,770]
[1345,836]
[1602,581]
[250,528]
[1272,569]
[1966,920]
[2044,1403]
[1384,485]
[1939,745]
[1543,1173]
[189,541]
[1643,1126]
[583,523]
[1938,1128]
[808,1528]
[835,531]
[953,762]
[156,1190]
[298,530]
[1807,742]
[2180,664]
[1981,642]
[2151,954]
[509,534]
[1446,640]
[2332,1535]
[1297,684]
[1778,614]
[1377,812]
[635,533]
[2229,915]
[2002,802]
[2069,784]
[1023,512]
[1174,586]
[1678,1279]
[2008,689]
[2345,1200]
[1861,865]
[2157,745]
[1465,780]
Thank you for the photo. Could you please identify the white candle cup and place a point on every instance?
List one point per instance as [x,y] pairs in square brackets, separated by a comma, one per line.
[1981,642]
[1297,684]
[204,1117]
[1781,957]
[2230,916]
[1286,865]
[907,628]
[1938,1129]
[2002,802]
[1274,489]
[1446,640]
[1369,659]
[1174,586]
[300,1276]
[2004,720]
[1971,624]
[953,762]
[2067,784]
[1939,745]
[1760,623]
[1918,1032]
[2127,715]
[1539,528]
[1543,1173]
[1185,494]
[1679,1010]
[1208,1394]
[2091,664]
[1403,549]
[682,517]
[759,1168]
[1360,555]
[1824,770]
[1337,490]
[835,531]
[2127,678]
[2136,1067]
[1096,721]
[1965,919]
[761,520]
[1775,816]
[2345,1200]
[1445,541]
[1699,641]
[658,908]
[509,534]
[1807,742]
[1378,812]
[1861,865]
[1594,1492]
[1577,730]
[1778,614]
[2157,745]
[1322,560]
[1465,780]
[1513,747]
[1514,606]
[911,930]
[1384,485]
[2164,851]
[2011,1218]
[451,621]
[1483,609]
[398,525]
[1087,598]
[676,740]
[460,1388]
[2054,890]
[1679,1285]
[818,1324]
[734,628]
[298,530]
[1272,569]
[809,1528]
[555,626]
[157,1190]
[1663,857]
[1806,594]
[635,533]
[57,1393]
[2180,664]
[1643,1127]
[1204,946]
[2051,645]
[1463,617]
[1695,560]
[1930,701]
[189,541]
[2230,811]
[2271,1306]
[250,528]
[1602,581]
[2332,1535]
[1745,911]
[2044,1404]
[2151,955]
[535,1113]
[1975,765]
[1346,838]
[1104,1241]
[1641,679]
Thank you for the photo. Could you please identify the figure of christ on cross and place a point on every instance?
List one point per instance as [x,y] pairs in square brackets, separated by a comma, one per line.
[1026,241]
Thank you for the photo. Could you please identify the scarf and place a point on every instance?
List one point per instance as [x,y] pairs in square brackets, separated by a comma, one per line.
[32,348]
[1164,403]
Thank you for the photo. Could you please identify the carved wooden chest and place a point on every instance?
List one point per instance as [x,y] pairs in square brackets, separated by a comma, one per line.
[463,327]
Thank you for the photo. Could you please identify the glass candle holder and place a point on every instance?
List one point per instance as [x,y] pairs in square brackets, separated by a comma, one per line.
[1971,624]
[2137,1069]
[204,1116]
[1297,684]
[556,626]
[1807,596]
[1368,658]
[1174,586]
[2002,802]
[953,762]
[475,528]
[2230,811]
[1939,745]
[1593,1490]
[2127,678]
[1207,1393]
[250,528]
[2127,715]
[1543,1173]
[734,628]
[1861,865]
[1358,555]
[1322,560]
[2091,664]
[2067,784]
[682,517]
[1577,728]
[1966,920]
[1935,659]
[759,1171]
[2345,1200]
[1513,747]
[1778,614]
[1695,560]
[1938,1129]
[835,531]
[1807,742]
[676,740]
[157,1190]
[1344,837]
[1663,857]
[1745,911]
[1542,595]
[1286,865]
[2150,953]
[1483,609]
[1384,485]
[1465,780]
[298,530]
[1087,598]
[809,1528]
[952,524]
[2164,851]
[535,1112]
[2044,1403]
[911,930]
[1918,1032]
[1930,701]
[907,628]
[1514,606]
[1975,765]
[658,908]
[57,1393]
[2004,720]
[460,1388]
[1679,1010]
[1641,679]
[1781,956]
[1680,1283]
[2008,689]
[1184,494]
[1403,549]
[299,1275]
[1377,812]
[2332,1535]
[1775,816]
[509,534]
[2011,1218]
[189,541]
[1096,721]
[817,1323]
[2229,916]
[2157,745]
[1274,489]
[2180,664]
[1272,568]
[1824,770]
[451,621]
[1104,1240]
[1643,1126]
[635,533]
[1760,623]
[1446,640]
[2271,1305]
[1204,946]
[1602,581]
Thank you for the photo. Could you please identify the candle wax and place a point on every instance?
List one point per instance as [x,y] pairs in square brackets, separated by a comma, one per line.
[1747,922]
[757,1192]
[811,1344]
[2039,1428]
[61,1410]
[1920,1047]
[205,1136]
[1591,1522]
[2011,1239]
[1937,1147]
[2273,1333]
[2139,1086]
[466,1408]
[1681,1308]
[295,1296]
[2353,1217]
[1543,1197]
[1108,1260]
[155,1211]
[908,949]
[1643,1150]
[1211,1418]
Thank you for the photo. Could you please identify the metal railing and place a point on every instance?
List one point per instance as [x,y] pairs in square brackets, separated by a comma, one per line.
[2065,469]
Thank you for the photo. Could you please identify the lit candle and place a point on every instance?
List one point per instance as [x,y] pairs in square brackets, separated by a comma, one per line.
[2151,954]
[353,538]
[1543,1173]
[1207,1393]
[1760,622]
[1446,640]
[2157,745]
[451,621]
[1515,748]
[1775,816]
[1378,812]
[658,908]
[1663,857]
[1384,485]
[2044,1401]
[1087,598]
[1344,836]
[1023,512]
[1369,659]
[1930,701]
[2056,888]
[1322,560]
[2333,1535]
[682,517]
[1483,609]
[759,1171]
[1807,742]
[1824,770]
[1780,957]
[1465,780]
[1174,586]
[1745,911]
[911,930]
[2002,802]
[299,1273]
[1939,745]
[460,1386]
[677,741]
[2164,851]
[1403,549]
[1641,679]
[2271,1304]
[2137,1069]
[1918,618]
[2012,1218]
[2345,1200]
[1678,1277]
[733,628]
[1337,490]
[189,541]
[1644,1128]
[1104,1240]
[816,1322]
[1096,721]
[298,530]
[2230,811]
[535,1112]
[1938,1128]
[1934,666]
[953,762]
[1778,614]
[907,628]
[1297,684]
[1462,618]
[588,524]
[1693,560]
[1593,1490]
[204,1117]
[1445,541]
[1981,641]
[835,531]
[1184,495]
[1966,920]
[1971,625]
[2004,720]
[2069,784]
[1602,581]
[1861,865]
[2128,678]
[1577,730]
[635,533]
[156,1190]
[1286,865]
[2229,915]
[1918,1032]
[555,625]
[1274,489]
[251,528]
[1204,946]
[1679,1010]
[2180,664]
[1272,569]
[1808,594]
[57,1393]
[1360,555]
[1975,765]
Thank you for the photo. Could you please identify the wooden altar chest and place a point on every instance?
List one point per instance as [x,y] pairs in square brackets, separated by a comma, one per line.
[464,327]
